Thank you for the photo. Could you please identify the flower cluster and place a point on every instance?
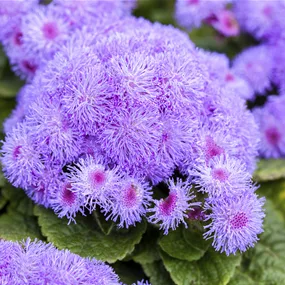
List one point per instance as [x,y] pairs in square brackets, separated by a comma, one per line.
[38,263]
[121,105]
[32,33]
[257,70]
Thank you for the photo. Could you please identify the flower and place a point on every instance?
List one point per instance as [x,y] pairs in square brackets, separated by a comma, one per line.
[44,31]
[35,262]
[263,19]
[172,211]
[129,202]
[271,121]
[255,65]
[20,157]
[91,179]
[235,221]
[191,13]
[225,23]
[224,176]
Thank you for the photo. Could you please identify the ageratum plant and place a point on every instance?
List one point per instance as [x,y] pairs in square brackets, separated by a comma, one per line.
[114,109]
[137,147]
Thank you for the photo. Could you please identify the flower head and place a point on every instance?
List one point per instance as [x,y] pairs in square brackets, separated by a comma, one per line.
[129,202]
[224,176]
[235,221]
[255,65]
[93,180]
[172,211]
[271,122]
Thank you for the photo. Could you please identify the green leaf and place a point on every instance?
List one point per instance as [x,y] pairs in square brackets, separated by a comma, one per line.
[147,250]
[157,273]
[105,226]
[6,106]
[184,244]
[270,169]
[18,199]
[275,191]
[213,268]
[241,278]
[267,262]
[16,227]
[86,238]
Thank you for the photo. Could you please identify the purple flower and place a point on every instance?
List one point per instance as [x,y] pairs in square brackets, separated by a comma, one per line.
[52,132]
[263,19]
[38,263]
[129,202]
[91,179]
[235,221]
[271,121]
[255,65]
[64,201]
[224,176]
[172,211]
[191,13]
[226,23]
[20,158]
[44,31]
[131,136]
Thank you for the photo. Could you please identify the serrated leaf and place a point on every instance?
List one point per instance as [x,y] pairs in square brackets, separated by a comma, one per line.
[267,263]
[85,237]
[157,273]
[16,227]
[147,250]
[105,226]
[129,272]
[270,169]
[213,268]
[184,244]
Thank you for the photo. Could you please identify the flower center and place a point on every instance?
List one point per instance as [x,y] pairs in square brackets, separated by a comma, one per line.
[130,196]
[68,196]
[273,136]
[17,151]
[97,178]
[220,174]
[229,77]
[50,30]
[212,149]
[29,66]
[239,221]
[167,206]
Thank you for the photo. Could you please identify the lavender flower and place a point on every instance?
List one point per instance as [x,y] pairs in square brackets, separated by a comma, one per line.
[263,19]
[225,23]
[90,178]
[20,158]
[34,262]
[224,176]
[129,202]
[44,31]
[191,13]
[235,221]
[255,65]
[271,122]
[172,211]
